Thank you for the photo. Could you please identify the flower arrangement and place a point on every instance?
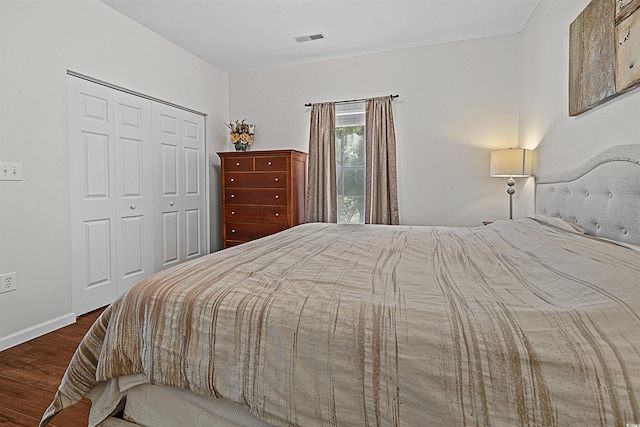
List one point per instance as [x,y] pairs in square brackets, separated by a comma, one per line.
[241,134]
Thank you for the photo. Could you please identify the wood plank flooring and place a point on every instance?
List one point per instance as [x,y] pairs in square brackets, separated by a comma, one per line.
[31,372]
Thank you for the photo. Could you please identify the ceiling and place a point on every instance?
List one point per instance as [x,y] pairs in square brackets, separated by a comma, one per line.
[241,35]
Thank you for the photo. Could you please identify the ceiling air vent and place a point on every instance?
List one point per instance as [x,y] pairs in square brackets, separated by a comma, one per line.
[302,39]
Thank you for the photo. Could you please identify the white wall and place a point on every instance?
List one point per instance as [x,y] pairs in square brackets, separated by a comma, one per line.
[457,102]
[564,142]
[39,42]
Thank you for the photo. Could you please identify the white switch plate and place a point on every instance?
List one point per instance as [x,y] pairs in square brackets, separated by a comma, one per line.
[10,171]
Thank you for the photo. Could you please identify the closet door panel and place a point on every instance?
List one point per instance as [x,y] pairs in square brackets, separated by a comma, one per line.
[96,166]
[169,169]
[192,172]
[170,238]
[193,197]
[193,239]
[134,184]
[132,173]
[92,183]
[132,251]
[98,240]
[168,181]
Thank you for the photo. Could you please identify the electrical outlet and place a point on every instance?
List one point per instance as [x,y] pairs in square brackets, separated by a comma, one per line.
[10,171]
[8,282]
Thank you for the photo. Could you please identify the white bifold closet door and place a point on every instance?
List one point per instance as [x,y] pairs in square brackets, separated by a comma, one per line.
[179,175]
[115,210]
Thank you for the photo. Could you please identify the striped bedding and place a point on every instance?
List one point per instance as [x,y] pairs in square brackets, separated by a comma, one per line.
[519,323]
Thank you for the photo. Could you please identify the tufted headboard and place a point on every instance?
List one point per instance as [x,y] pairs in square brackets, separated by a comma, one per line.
[602,196]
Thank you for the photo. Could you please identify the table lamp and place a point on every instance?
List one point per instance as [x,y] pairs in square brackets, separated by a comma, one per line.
[511,163]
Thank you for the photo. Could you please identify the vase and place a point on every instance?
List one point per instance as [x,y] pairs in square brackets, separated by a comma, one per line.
[240,146]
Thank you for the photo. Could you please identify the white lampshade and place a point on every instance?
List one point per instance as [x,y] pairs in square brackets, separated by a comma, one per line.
[513,162]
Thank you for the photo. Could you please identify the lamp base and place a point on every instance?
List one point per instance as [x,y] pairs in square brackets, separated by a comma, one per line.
[510,191]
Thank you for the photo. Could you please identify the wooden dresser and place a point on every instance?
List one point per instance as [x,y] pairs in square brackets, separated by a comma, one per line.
[263,192]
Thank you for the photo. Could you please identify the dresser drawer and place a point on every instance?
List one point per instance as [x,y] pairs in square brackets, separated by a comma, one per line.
[232,164]
[250,196]
[256,180]
[256,214]
[271,163]
[245,232]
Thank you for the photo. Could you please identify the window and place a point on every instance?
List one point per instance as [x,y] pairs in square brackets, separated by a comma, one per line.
[359,190]
[350,162]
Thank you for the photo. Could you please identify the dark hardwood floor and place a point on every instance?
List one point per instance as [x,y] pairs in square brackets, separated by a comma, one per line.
[31,372]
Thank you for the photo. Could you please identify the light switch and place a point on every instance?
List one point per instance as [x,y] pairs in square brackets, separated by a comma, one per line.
[10,171]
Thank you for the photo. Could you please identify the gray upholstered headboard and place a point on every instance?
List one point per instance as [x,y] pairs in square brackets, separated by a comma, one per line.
[602,196]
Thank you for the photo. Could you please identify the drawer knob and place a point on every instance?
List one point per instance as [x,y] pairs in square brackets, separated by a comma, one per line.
[233,196]
[277,214]
[233,212]
[277,196]
[171,203]
[277,179]
[233,230]
[237,163]
[132,206]
[269,163]
[233,180]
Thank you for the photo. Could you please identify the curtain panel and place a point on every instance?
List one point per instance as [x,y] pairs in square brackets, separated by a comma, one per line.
[321,187]
[382,186]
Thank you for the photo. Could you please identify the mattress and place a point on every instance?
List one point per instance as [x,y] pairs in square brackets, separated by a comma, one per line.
[527,322]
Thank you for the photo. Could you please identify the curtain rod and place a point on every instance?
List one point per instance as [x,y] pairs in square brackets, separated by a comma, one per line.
[352,100]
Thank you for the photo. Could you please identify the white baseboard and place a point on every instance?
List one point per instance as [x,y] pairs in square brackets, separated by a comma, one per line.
[36,331]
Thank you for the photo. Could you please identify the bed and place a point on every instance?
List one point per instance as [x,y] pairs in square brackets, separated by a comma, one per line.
[530,322]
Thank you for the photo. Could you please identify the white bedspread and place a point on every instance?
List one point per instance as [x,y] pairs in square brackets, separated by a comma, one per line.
[520,323]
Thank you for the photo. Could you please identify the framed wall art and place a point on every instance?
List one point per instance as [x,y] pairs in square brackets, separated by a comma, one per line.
[604,53]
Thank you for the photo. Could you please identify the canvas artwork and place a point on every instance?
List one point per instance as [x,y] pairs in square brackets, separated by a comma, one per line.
[592,57]
[628,52]
[624,8]
[604,53]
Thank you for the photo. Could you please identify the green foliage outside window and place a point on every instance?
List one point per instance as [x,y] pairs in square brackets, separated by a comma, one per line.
[350,170]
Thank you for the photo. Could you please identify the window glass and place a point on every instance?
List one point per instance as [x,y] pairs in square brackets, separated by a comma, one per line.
[350,162]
